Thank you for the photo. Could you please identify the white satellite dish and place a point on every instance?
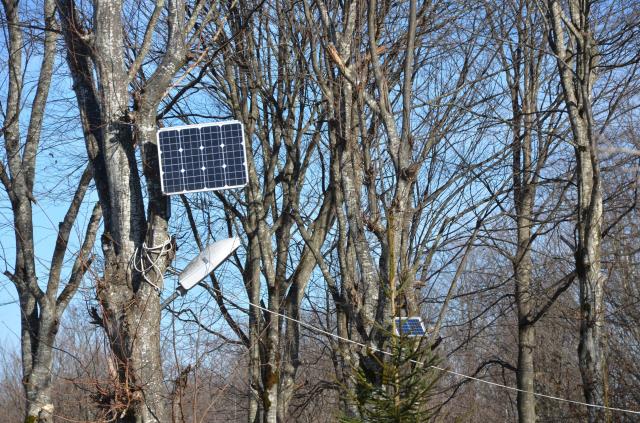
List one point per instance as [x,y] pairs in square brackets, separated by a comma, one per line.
[203,264]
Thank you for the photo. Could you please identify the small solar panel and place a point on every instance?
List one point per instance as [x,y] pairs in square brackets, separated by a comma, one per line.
[409,326]
[202,157]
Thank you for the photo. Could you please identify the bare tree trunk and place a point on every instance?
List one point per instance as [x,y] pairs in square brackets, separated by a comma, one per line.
[526,330]
[271,367]
[255,329]
[38,382]
[128,293]
[524,193]
[377,156]
[272,98]
[41,309]
[523,84]
[521,67]
[577,70]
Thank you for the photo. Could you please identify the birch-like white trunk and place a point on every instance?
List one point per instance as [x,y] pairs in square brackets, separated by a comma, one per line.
[577,71]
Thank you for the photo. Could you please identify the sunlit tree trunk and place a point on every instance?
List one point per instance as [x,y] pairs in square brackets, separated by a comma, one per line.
[572,41]
[128,294]
[41,304]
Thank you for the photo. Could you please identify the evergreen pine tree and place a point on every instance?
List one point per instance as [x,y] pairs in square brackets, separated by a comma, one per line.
[396,386]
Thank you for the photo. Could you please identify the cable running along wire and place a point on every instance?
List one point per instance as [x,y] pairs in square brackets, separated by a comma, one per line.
[452,372]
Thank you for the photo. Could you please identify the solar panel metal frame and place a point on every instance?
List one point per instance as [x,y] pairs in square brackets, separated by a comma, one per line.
[399,321]
[199,126]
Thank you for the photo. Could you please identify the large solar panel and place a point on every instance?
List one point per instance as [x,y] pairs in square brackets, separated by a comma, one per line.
[409,326]
[202,157]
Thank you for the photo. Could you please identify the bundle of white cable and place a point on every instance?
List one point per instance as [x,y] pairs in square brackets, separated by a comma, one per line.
[146,256]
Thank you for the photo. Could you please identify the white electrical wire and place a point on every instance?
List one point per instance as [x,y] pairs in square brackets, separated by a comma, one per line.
[461,375]
[145,254]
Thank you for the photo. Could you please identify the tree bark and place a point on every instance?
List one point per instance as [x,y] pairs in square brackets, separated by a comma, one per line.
[41,305]
[128,294]
[525,374]
[376,158]
[577,71]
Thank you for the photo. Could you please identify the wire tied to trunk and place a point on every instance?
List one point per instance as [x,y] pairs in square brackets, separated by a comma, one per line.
[144,261]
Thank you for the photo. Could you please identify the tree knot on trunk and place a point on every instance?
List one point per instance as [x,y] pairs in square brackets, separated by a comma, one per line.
[410,172]
[271,378]
[525,321]
[96,318]
[108,245]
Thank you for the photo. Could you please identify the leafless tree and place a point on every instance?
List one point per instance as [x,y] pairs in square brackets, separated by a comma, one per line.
[124,58]
[405,158]
[396,104]
[583,53]
[41,304]
[261,78]
[536,130]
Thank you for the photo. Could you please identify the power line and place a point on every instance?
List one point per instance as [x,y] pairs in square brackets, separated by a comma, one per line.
[452,372]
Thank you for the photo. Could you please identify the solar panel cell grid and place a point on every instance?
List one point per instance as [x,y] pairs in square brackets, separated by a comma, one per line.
[192,159]
[213,157]
[234,154]
[202,157]
[410,326]
[170,161]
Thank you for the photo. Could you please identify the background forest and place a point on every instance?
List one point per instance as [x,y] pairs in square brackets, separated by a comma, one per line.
[474,163]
